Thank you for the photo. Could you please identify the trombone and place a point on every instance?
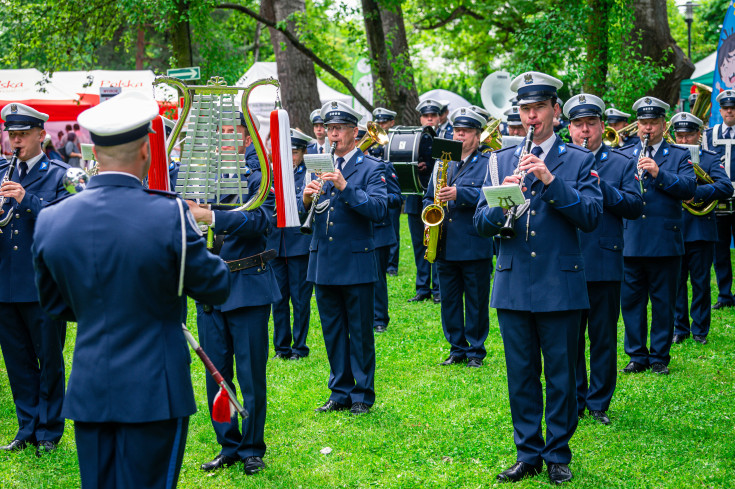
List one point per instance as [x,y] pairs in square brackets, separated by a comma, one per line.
[612,138]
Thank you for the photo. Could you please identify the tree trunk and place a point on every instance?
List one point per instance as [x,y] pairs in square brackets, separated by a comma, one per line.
[597,47]
[400,64]
[181,35]
[296,74]
[651,21]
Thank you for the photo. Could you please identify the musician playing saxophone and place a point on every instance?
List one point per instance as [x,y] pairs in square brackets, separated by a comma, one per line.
[654,243]
[540,289]
[464,259]
[700,234]
[603,256]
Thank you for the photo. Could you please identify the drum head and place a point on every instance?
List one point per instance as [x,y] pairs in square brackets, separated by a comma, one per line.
[407,147]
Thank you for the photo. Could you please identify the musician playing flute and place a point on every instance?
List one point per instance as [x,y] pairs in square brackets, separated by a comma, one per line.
[540,288]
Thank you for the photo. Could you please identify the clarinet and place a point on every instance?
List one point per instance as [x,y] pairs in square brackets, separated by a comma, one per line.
[508,230]
[644,145]
[8,176]
[306,228]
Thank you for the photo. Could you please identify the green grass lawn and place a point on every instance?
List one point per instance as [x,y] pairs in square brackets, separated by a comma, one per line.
[438,427]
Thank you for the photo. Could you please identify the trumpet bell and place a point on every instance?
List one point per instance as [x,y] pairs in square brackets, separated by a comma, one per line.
[610,137]
[75,180]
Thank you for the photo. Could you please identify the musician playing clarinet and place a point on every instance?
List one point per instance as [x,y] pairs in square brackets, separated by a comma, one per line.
[540,288]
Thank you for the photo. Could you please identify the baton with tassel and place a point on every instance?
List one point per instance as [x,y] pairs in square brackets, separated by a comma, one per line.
[225,403]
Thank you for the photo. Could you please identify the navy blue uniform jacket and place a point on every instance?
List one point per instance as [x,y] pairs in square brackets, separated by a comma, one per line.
[43,184]
[384,234]
[245,234]
[621,198]
[459,239]
[290,242]
[704,228]
[545,273]
[342,245]
[109,258]
[662,211]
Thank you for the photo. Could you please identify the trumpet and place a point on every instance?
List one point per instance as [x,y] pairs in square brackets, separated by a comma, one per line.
[508,230]
[612,138]
[306,228]
[8,176]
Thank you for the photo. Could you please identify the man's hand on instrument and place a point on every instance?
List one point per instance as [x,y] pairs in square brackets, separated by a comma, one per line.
[200,212]
[422,166]
[13,190]
[336,178]
[533,164]
[514,180]
[313,188]
[447,193]
[649,165]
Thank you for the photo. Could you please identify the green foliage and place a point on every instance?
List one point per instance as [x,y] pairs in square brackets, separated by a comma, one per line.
[706,25]
[444,427]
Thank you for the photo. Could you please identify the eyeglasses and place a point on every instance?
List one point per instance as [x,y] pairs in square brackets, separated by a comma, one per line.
[339,127]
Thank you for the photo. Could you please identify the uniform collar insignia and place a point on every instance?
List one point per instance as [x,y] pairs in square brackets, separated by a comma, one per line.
[603,157]
[635,151]
[171,166]
[44,165]
[518,150]
[475,158]
[359,160]
[562,149]
[300,168]
[666,151]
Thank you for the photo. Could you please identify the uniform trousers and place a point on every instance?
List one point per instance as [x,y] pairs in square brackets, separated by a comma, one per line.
[394,215]
[346,313]
[723,263]
[126,455]
[601,324]
[527,337]
[240,335]
[465,306]
[381,317]
[695,264]
[657,278]
[427,278]
[33,345]
[291,277]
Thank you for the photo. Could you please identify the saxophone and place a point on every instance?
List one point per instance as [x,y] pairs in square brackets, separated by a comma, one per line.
[433,214]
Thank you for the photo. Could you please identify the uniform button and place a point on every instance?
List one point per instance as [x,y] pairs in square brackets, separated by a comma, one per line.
[644,202]
[615,247]
[331,209]
[551,202]
[533,213]
[533,233]
[366,249]
[258,270]
[331,224]
[533,192]
[332,193]
[15,248]
[450,220]
[643,216]
[644,190]
[533,254]
[676,228]
[15,232]
[40,198]
[576,267]
[17,216]
[331,238]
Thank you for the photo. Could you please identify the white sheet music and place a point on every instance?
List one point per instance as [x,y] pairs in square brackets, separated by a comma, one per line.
[505,196]
[319,163]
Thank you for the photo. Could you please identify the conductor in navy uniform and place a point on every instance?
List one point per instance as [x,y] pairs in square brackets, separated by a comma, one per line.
[654,244]
[130,393]
[342,261]
[237,330]
[290,269]
[700,234]
[603,256]
[386,119]
[427,279]
[540,288]
[32,343]
[720,138]
[464,258]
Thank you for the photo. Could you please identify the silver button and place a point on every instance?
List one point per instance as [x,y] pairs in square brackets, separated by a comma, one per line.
[500,223]
[576,267]
[643,216]
[533,192]
[533,233]
[615,247]
[15,232]
[533,213]
[40,198]
[331,224]
[450,220]
[644,202]
[366,249]
[258,270]
[533,254]
[17,216]
[331,209]
[551,202]
[331,238]
[15,248]
[676,228]
[644,190]
[332,193]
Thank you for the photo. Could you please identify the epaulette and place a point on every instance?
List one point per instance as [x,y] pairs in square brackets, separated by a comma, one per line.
[627,146]
[620,152]
[59,199]
[708,152]
[681,148]
[4,163]
[373,159]
[512,148]
[60,163]
[576,146]
[165,193]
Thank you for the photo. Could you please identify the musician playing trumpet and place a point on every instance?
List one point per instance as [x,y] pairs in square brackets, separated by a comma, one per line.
[603,256]
[342,262]
[700,234]
[540,288]
[654,243]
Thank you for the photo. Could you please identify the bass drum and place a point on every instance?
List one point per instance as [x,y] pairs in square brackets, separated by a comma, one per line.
[406,148]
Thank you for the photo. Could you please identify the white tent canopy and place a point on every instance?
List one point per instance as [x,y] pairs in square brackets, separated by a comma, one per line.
[89,82]
[704,66]
[29,84]
[440,95]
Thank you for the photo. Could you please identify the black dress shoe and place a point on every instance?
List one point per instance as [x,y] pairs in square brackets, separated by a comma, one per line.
[380,328]
[282,356]
[474,363]
[659,368]
[722,305]
[295,356]
[14,446]
[451,360]
[360,408]
[45,447]
[634,368]
[419,297]
[219,462]
[600,416]
[437,299]
[331,405]
[679,338]
[559,473]
[700,339]
[518,471]
[253,465]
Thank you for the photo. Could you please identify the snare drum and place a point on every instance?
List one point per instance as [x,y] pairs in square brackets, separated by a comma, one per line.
[407,147]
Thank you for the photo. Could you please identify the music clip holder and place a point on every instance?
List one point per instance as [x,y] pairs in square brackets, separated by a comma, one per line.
[446,150]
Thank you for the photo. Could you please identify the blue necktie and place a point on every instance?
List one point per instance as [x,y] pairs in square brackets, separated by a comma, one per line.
[649,151]
[321,149]
[727,133]
[537,151]
[340,161]
[22,170]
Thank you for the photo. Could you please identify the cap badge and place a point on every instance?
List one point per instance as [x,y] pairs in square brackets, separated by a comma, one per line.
[14,109]
[334,105]
[648,101]
[683,116]
[528,79]
[582,99]
[464,111]
[729,93]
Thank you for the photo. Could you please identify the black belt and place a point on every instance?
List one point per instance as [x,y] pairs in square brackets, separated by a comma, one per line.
[252,261]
